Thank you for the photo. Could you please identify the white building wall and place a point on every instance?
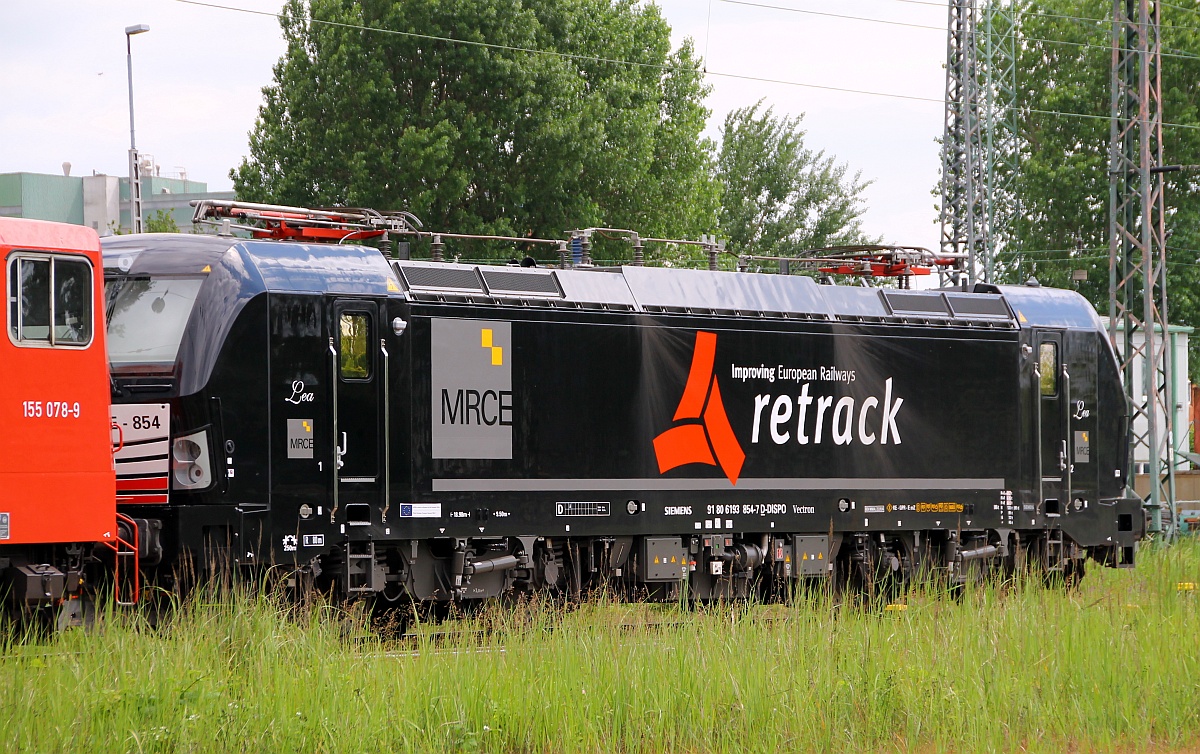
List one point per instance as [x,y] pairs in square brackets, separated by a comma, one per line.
[102,203]
[1179,336]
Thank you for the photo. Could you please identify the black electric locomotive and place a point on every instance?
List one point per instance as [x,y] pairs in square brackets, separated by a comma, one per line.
[434,431]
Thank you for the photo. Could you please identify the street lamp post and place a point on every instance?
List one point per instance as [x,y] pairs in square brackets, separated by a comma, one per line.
[135,174]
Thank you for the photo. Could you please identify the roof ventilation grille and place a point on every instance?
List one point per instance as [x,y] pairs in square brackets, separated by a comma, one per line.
[442,278]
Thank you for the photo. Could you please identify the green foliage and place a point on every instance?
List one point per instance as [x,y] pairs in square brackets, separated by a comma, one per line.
[354,357]
[480,140]
[1063,181]
[1022,668]
[1063,184]
[779,198]
[162,222]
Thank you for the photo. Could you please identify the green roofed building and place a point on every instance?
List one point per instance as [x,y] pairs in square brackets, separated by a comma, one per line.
[100,202]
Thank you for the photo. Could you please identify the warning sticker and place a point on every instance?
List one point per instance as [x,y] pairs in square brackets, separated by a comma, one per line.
[3,526]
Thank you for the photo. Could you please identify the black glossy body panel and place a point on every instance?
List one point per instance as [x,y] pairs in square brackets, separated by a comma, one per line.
[631,402]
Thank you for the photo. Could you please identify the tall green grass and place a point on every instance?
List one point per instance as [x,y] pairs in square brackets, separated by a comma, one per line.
[1111,666]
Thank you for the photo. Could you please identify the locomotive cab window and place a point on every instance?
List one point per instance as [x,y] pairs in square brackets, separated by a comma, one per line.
[354,334]
[1048,367]
[147,317]
[49,300]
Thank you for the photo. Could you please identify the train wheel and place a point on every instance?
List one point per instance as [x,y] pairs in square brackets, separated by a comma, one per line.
[1017,562]
[391,619]
[1074,570]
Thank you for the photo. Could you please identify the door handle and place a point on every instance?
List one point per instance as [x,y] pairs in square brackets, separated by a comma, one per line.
[341,451]
[1062,457]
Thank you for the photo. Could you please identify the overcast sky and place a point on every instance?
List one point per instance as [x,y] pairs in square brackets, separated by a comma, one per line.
[199,71]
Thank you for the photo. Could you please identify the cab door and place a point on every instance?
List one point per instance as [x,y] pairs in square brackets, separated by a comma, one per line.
[1052,383]
[354,351]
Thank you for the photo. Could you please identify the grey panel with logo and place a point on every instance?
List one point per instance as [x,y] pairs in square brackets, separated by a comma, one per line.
[299,438]
[1083,447]
[472,398]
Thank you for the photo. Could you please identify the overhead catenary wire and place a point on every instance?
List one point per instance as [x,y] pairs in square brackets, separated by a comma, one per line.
[568,55]
[1071,257]
[942,5]
[708,30]
[1042,14]
[1179,7]
[942,29]
[638,64]
[827,14]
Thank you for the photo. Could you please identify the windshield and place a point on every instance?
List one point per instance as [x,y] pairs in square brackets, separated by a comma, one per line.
[146,317]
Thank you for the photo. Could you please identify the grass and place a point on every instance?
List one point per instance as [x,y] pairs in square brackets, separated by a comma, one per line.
[1112,666]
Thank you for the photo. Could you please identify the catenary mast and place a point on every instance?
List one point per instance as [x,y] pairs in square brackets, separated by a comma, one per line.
[1137,265]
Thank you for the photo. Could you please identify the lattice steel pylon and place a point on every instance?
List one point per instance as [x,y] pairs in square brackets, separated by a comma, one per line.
[1000,26]
[963,206]
[979,142]
[1137,266]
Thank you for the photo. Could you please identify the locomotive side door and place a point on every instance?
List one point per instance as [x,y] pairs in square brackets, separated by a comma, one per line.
[1052,383]
[356,379]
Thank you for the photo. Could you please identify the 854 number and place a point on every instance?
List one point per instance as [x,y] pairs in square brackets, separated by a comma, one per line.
[145,422]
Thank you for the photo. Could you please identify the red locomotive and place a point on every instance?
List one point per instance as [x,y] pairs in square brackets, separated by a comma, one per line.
[57,484]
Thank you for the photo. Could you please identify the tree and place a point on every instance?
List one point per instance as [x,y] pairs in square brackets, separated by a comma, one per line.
[376,108]
[162,222]
[1063,85]
[779,198]
[1062,185]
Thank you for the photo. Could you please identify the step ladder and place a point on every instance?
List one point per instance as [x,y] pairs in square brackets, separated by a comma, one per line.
[360,568]
[1056,551]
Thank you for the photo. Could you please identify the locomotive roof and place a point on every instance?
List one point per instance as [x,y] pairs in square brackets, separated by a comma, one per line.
[258,265]
[665,290]
[658,289]
[351,268]
[40,234]
[1051,307]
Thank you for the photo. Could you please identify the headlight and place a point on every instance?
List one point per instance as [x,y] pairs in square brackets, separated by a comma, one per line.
[191,468]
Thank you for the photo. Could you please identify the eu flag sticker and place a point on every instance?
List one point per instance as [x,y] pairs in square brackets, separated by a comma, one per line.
[420,510]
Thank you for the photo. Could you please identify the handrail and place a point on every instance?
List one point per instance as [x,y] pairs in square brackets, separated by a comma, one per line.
[387,430]
[123,549]
[337,456]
